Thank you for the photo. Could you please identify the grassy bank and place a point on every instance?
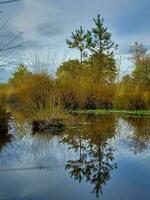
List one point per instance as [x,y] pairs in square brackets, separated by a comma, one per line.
[125,112]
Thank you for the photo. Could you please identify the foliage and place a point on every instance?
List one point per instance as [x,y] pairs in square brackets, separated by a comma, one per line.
[4,116]
[101,38]
[35,92]
[103,68]
[20,75]
[70,68]
[80,40]
[141,73]
[85,84]
[138,51]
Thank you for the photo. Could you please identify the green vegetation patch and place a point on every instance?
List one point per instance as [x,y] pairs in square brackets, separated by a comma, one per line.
[102,112]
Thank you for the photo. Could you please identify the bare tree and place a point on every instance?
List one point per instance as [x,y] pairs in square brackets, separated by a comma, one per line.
[8,45]
[8,1]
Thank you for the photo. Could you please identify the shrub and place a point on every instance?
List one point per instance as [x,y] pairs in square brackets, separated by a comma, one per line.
[4,116]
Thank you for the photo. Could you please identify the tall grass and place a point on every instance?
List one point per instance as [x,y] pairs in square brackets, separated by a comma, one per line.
[131,96]
[44,97]
[84,93]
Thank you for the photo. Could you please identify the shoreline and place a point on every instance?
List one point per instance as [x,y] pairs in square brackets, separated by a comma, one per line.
[103,112]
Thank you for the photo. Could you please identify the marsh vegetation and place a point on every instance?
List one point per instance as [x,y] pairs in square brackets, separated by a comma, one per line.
[91,82]
[81,133]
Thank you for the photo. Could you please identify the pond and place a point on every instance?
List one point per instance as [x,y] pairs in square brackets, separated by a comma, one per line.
[108,157]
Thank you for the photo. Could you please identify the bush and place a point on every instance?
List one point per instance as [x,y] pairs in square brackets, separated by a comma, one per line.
[4,116]
[131,97]
[35,92]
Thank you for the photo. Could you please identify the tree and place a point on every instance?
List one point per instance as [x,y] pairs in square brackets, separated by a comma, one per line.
[101,38]
[102,48]
[9,45]
[141,59]
[138,51]
[8,1]
[141,73]
[21,74]
[80,40]
[103,68]
[71,68]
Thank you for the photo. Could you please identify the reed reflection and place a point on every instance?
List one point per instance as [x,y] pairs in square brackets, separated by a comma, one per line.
[6,139]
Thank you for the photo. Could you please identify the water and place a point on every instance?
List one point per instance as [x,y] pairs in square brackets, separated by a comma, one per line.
[106,158]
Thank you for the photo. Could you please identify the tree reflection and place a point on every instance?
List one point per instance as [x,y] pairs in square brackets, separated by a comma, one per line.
[95,160]
[76,141]
[141,133]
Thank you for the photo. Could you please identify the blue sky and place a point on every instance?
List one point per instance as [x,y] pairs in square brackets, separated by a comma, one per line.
[47,23]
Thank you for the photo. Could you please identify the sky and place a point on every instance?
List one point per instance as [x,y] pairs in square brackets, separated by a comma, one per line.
[47,23]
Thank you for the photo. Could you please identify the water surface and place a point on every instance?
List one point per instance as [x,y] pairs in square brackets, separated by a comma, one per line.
[106,158]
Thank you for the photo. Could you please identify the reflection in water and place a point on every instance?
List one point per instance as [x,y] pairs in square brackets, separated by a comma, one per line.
[95,161]
[5,143]
[3,122]
[5,139]
[41,146]
[141,133]
[89,154]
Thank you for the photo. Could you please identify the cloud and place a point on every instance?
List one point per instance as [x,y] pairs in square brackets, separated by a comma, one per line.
[127,20]
[50,29]
[33,14]
[48,18]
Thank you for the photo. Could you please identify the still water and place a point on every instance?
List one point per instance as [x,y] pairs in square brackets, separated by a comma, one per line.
[105,158]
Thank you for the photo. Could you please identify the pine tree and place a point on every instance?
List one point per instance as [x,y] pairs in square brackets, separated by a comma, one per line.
[101,38]
[81,41]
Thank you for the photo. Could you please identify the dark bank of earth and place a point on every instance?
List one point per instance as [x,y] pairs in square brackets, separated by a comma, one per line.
[48,125]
